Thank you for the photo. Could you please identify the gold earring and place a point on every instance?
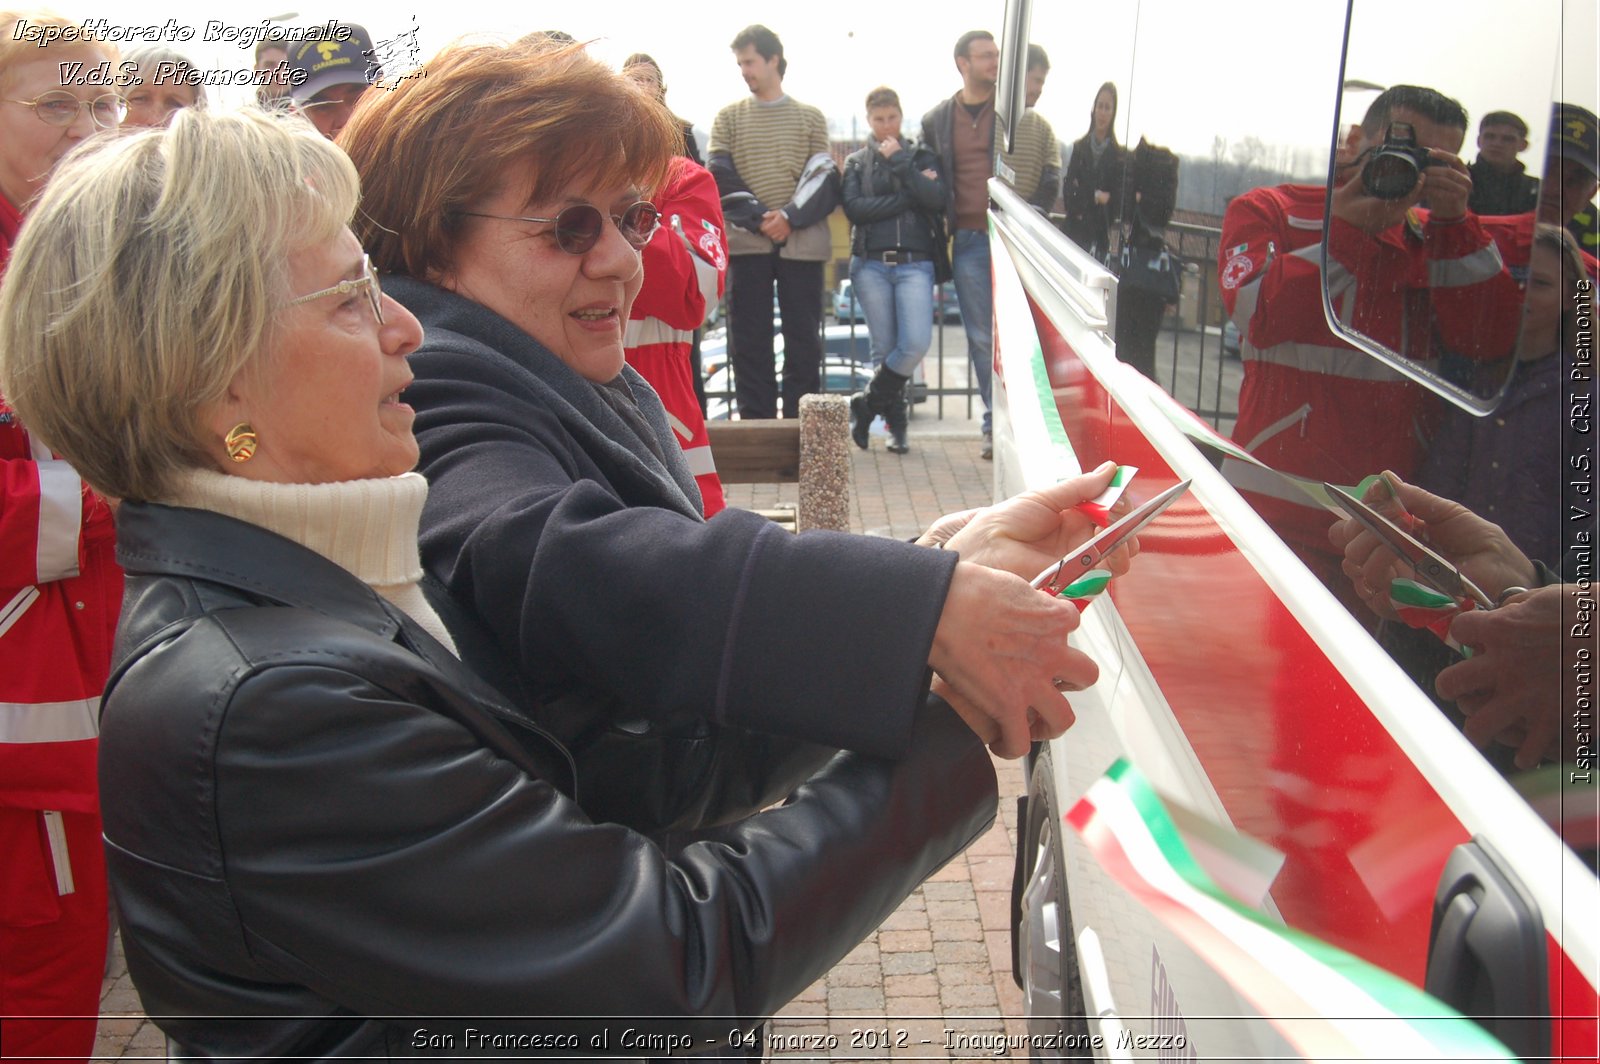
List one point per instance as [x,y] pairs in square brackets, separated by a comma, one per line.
[241,442]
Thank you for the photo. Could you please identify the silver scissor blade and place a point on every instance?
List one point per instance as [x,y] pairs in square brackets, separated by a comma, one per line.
[1432,568]
[1108,539]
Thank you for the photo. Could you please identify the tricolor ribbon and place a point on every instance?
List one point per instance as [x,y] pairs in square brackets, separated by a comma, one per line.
[1421,606]
[1098,509]
[1086,588]
[1390,506]
[1328,1004]
[1417,604]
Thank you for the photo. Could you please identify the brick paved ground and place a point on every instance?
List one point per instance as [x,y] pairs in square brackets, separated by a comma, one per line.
[943,960]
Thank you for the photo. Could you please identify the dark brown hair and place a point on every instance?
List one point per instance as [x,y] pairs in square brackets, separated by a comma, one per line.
[765,42]
[964,42]
[883,96]
[1111,130]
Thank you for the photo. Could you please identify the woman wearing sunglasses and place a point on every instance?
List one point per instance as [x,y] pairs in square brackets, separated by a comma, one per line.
[59,593]
[680,658]
[328,837]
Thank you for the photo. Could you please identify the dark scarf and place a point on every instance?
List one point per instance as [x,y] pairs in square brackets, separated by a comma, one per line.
[631,439]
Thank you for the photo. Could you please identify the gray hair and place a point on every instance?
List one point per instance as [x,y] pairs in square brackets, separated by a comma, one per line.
[148,278]
[148,57]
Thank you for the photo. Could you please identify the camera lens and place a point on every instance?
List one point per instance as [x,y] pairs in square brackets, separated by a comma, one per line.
[1389,175]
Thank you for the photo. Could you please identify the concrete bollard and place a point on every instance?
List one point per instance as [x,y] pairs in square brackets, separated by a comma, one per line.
[824,463]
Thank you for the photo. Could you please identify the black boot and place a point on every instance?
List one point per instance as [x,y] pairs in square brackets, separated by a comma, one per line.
[860,419]
[895,418]
[885,387]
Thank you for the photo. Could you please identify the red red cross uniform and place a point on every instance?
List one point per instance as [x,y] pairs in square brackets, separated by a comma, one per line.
[684,268]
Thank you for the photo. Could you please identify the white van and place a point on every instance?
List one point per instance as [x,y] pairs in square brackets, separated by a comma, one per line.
[1298,756]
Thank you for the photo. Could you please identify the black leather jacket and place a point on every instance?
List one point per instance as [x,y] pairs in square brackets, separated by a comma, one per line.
[1088,224]
[890,211]
[322,831]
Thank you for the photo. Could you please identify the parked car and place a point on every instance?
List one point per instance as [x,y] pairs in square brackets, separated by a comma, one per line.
[713,351]
[946,305]
[839,374]
[845,305]
[850,343]
[1230,339]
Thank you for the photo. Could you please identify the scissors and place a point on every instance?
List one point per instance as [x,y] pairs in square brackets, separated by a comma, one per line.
[1431,568]
[1108,539]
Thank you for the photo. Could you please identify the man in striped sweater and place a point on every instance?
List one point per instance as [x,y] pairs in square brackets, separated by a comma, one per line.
[769,154]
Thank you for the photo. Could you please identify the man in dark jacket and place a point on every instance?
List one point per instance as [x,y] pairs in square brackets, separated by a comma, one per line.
[961,131]
[1500,183]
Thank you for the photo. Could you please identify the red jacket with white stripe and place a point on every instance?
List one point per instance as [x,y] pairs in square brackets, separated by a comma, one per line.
[684,268]
[1513,235]
[1313,405]
[60,591]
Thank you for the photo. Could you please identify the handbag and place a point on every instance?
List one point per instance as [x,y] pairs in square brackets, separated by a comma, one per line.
[1152,269]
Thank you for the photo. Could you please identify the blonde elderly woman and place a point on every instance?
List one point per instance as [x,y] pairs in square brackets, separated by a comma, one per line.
[330,838]
[59,593]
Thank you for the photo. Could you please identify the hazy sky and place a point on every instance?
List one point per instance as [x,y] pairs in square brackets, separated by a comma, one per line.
[834,59]
[1200,77]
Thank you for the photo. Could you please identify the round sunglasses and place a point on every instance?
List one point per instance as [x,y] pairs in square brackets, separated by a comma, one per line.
[579,226]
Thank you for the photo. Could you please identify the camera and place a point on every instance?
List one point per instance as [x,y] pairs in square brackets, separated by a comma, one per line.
[1396,165]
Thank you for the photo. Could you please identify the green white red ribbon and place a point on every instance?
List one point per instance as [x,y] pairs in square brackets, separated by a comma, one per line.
[1098,509]
[1328,1004]
[1421,606]
[1086,588]
[1042,447]
[1417,604]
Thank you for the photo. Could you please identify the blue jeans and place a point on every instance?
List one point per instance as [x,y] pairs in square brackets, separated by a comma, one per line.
[898,303]
[970,263]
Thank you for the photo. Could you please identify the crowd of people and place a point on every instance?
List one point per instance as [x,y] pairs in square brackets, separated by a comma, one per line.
[371,583]
[365,548]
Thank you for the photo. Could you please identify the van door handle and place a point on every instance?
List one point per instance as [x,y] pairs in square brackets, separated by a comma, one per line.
[1486,953]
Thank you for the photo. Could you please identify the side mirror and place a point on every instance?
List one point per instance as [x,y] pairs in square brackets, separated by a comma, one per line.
[1428,226]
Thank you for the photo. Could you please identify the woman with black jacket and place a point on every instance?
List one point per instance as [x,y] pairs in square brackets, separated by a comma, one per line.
[894,198]
[1092,189]
[330,838]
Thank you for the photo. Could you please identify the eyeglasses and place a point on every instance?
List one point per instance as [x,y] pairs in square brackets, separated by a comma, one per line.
[61,108]
[367,280]
[579,226]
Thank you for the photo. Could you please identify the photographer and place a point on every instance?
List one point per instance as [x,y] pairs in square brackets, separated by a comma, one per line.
[1418,281]
[894,198]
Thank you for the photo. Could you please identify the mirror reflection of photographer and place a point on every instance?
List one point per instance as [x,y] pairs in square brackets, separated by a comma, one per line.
[1419,281]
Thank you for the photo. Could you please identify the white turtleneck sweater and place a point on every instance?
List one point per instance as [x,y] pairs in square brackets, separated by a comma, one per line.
[367,527]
